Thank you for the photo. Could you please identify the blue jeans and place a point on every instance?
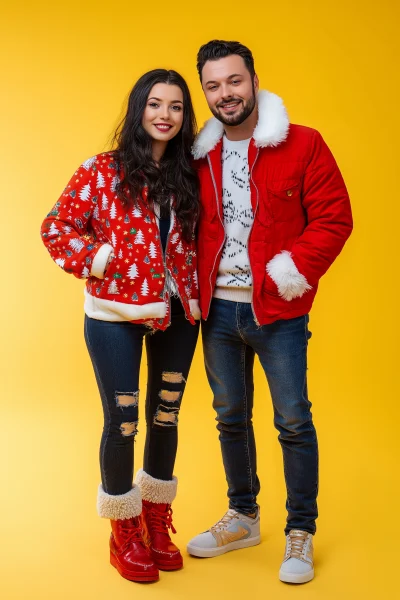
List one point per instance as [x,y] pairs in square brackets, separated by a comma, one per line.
[231,339]
[116,351]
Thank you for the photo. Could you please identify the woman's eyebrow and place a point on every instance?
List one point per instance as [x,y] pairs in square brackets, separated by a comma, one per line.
[172,102]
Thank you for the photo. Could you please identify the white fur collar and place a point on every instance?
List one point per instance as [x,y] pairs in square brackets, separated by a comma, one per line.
[272,127]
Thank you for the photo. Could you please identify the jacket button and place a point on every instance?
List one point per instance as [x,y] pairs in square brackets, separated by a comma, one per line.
[289,193]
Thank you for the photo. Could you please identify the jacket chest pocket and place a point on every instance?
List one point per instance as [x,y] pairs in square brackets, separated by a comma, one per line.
[285,201]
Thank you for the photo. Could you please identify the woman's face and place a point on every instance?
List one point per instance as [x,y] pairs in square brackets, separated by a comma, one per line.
[163,115]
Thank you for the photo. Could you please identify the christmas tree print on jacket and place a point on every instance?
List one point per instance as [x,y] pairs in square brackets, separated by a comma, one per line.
[88,222]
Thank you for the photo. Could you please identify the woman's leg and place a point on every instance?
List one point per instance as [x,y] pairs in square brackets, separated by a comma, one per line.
[169,356]
[116,350]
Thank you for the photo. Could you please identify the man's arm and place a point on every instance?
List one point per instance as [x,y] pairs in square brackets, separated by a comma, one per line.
[329,224]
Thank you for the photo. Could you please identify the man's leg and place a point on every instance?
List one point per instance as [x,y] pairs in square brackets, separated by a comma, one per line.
[229,364]
[282,349]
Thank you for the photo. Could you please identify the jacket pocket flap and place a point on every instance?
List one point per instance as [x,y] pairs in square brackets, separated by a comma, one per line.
[285,190]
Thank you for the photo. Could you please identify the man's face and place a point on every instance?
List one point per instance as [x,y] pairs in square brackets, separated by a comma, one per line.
[229,89]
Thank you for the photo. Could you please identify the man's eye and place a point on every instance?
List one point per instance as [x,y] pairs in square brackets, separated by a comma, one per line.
[236,81]
[212,88]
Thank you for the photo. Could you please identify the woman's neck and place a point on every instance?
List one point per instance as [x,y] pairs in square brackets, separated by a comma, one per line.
[158,150]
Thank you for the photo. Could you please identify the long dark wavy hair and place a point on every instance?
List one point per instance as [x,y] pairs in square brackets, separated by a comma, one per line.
[174,174]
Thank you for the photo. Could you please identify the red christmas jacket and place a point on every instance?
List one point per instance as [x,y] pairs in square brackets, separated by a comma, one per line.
[302,214]
[89,221]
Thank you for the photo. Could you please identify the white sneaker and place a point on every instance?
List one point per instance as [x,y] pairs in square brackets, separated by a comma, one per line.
[297,565]
[232,532]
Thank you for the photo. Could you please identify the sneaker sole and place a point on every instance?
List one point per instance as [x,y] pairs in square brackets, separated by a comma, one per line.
[210,552]
[132,576]
[296,577]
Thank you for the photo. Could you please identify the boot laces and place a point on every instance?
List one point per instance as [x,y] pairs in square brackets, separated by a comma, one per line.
[131,532]
[296,543]
[161,521]
[225,521]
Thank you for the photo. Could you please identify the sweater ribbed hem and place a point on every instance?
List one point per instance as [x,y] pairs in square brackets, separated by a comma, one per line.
[233,294]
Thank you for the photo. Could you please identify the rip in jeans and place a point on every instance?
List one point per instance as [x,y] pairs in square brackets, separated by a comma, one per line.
[126,399]
[166,417]
[173,377]
[128,429]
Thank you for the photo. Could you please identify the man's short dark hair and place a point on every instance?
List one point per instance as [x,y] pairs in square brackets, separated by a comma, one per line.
[220,49]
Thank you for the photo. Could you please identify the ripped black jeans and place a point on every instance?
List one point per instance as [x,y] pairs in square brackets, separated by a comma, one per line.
[116,350]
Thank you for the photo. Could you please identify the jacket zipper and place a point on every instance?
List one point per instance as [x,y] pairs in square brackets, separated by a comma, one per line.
[167,272]
[219,214]
[168,275]
[222,223]
[248,245]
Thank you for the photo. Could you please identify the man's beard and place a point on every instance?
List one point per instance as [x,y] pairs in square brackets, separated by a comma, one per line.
[239,118]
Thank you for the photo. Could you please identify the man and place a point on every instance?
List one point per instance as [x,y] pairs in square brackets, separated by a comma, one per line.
[275,215]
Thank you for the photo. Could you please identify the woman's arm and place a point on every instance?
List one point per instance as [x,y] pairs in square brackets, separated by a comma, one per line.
[65,229]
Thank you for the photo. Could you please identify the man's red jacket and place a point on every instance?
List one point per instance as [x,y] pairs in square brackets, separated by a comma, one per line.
[302,214]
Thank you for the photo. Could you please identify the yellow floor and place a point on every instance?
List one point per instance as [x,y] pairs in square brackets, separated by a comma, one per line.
[55,547]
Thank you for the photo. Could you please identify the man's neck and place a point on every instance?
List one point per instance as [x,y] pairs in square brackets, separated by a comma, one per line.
[244,131]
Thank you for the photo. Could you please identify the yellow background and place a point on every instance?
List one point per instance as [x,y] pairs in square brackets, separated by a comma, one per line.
[66,71]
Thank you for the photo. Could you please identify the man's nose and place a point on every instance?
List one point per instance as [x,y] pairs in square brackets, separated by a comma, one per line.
[226,93]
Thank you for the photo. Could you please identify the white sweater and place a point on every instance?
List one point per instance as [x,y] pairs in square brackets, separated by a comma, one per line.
[234,276]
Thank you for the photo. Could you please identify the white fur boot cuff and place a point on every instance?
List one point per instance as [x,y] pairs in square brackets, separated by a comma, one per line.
[121,506]
[154,490]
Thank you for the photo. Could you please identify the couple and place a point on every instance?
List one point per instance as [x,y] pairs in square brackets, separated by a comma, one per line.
[235,226]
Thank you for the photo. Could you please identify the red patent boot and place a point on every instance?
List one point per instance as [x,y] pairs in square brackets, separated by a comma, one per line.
[128,551]
[157,520]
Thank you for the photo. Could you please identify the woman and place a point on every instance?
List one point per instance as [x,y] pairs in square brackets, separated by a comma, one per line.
[125,222]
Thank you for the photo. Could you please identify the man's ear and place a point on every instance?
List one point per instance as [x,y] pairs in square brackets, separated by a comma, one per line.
[256,83]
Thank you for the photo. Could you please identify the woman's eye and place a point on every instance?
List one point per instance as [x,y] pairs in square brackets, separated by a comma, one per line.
[177,108]
[153,104]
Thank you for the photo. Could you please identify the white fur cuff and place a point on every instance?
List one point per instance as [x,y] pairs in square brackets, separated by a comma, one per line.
[100,261]
[282,270]
[121,506]
[156,490]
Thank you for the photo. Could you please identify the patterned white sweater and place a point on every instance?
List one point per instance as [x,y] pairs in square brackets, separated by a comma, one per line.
[234,276]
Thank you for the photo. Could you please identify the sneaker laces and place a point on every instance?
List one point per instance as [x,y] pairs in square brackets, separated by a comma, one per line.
[296,543]
[225,521]
[161,521]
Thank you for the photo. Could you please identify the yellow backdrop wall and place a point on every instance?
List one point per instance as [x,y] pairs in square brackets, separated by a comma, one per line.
[67,69]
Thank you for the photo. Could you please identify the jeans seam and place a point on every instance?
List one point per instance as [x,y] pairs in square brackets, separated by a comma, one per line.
[305,330]
[103,473]
[249,470]
[237,322]
[305,384]
[108,431]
